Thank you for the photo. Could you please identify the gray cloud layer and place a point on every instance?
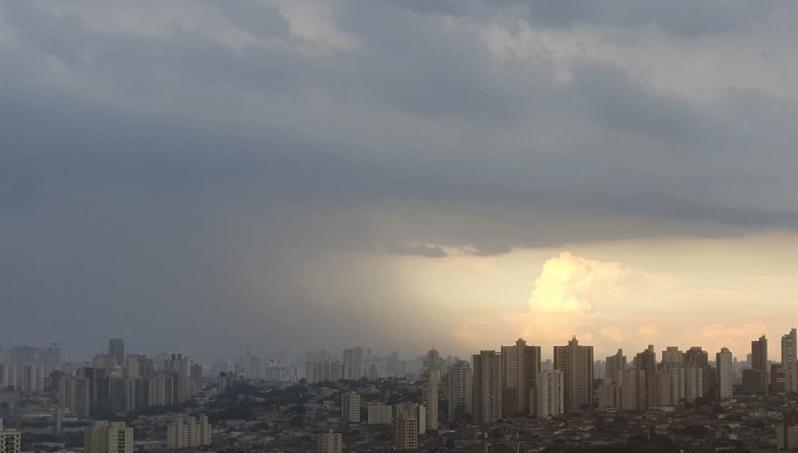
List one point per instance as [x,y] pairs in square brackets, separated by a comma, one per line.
[174,167]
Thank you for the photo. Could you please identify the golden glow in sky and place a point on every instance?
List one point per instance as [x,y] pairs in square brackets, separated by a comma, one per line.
[680,291]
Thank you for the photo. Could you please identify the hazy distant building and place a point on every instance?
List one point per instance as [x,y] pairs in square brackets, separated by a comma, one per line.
[432,379]
[520,368]
[108,437]
[432,360]
[549,396]
[486,388]
[224,382]
[75,395]
[188,432]
[725,367]
[322,370]
[576,364]
[789,361]
[102,361]
[350,407]
[353,363]
[615,364]
[116,350]
[330,443]
[459,389]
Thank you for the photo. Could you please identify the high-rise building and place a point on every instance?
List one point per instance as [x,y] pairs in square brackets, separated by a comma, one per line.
[549,394]
[695,357]
[646,360]
[694,383]
[486,388]
[432,361]
[777,379]
[608,394]
[329,443]
[188,432]
[633,389]
[755,380]
[759,353]
[789,361]
[350,407]
[615,364]
[787,432]
[680,385]
[353,363]
[430,397]
[576,364]
[405,431]
[725,367]
[672,357]
[412,410]
[520,368]
[459,390]
[108,437]
[10,440]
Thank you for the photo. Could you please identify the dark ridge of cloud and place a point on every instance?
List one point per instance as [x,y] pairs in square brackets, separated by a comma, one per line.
[423,250]
[679,18]
[263,19]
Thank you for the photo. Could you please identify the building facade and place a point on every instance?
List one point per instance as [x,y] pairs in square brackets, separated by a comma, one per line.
[108,437]
[330,443]
[576,363]
[350,407]
[725,367]
[789,361]
[10,440]
[459,390]
[188,432]
[520,368]
[486,388]
[549,394]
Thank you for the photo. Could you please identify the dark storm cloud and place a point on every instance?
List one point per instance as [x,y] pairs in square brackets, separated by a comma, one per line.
[428,251]
[681,18]
[202,170]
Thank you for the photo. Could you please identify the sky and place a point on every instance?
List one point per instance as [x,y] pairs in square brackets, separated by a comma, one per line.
[297,175]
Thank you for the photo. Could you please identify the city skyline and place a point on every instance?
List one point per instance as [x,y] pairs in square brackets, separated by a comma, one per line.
[355,357]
